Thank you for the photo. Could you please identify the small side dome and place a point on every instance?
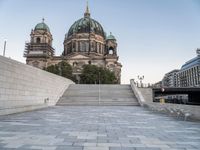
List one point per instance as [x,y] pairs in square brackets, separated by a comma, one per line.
[110,37]
[42,26]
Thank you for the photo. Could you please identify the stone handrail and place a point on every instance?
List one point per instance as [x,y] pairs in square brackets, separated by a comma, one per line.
[137,93]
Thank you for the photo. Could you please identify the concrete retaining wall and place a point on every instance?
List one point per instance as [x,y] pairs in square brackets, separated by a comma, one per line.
[184,112]
[147,94]
[23,87]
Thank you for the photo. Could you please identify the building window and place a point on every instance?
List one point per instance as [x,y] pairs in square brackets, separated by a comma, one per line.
[87,46]
[99,48]
[75,64]
[92,47]
[111,51]
[97,45]
[74,47]
[83,46]
[38,40]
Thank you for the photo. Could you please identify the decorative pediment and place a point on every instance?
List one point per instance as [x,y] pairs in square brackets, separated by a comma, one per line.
[79,56]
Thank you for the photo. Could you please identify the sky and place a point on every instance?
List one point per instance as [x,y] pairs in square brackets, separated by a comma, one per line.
[153,36]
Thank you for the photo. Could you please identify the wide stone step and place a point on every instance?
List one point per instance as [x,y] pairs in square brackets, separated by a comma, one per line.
[97,91]
[117,95]
[96,104]
[101,91]
[102,97]
[96,98]
[103,101]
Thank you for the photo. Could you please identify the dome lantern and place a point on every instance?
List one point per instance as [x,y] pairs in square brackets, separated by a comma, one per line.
[87,12]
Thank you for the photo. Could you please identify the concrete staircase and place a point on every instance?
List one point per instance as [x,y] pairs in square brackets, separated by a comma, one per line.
[105,95]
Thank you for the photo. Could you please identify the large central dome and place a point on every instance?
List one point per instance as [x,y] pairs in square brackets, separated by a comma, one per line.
[86,36]
[86,25]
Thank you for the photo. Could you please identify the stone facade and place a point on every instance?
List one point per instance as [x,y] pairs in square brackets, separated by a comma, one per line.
[85,43]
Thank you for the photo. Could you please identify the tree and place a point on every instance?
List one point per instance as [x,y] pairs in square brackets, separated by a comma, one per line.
[92,74]
[52,69]
[65,69]
[62,68]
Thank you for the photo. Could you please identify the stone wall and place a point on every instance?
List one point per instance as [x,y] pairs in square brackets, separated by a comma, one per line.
[24,88]
[184,112]
[147,94]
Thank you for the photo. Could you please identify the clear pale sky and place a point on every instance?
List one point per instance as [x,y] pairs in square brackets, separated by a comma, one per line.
[154,36]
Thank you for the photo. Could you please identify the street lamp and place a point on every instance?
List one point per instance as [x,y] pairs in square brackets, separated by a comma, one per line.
[141,78]
[99,87]
[4,48]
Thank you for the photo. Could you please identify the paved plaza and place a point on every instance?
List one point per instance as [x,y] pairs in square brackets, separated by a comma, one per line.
[97,128]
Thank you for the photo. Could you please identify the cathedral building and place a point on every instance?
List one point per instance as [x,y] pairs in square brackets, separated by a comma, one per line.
[85,43]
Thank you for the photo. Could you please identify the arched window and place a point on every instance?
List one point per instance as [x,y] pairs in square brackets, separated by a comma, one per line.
[83,47]
[111,51]
[92,47]
[38,40]
[75,64]
[100,48]
[69,48]
[97,44]
[87,46]
[74,47]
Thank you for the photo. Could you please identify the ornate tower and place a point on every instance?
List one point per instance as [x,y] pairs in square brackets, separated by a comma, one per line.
[111,58]
[111,45]
[39,49]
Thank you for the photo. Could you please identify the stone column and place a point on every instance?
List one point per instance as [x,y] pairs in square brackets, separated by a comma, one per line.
[76,47]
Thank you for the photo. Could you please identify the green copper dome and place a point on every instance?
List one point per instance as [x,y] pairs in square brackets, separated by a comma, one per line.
[110,37]
[42,26]
[86,25]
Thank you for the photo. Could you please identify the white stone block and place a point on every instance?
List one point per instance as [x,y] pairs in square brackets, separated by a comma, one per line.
[22,85]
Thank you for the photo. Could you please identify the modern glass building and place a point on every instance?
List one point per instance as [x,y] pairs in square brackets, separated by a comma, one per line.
[189,74]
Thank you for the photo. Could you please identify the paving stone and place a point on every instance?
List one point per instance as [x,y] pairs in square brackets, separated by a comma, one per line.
[115,148]
[69,148]
[147,148]
[96,148]
[97,128]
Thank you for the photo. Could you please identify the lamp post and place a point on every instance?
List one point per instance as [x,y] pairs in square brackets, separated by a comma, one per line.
[141,78]
[133,81]
[99,88]
[137,84]
[4,48]
[60,68]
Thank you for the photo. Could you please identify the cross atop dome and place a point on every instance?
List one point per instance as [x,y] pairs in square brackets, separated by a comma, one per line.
[87,12]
